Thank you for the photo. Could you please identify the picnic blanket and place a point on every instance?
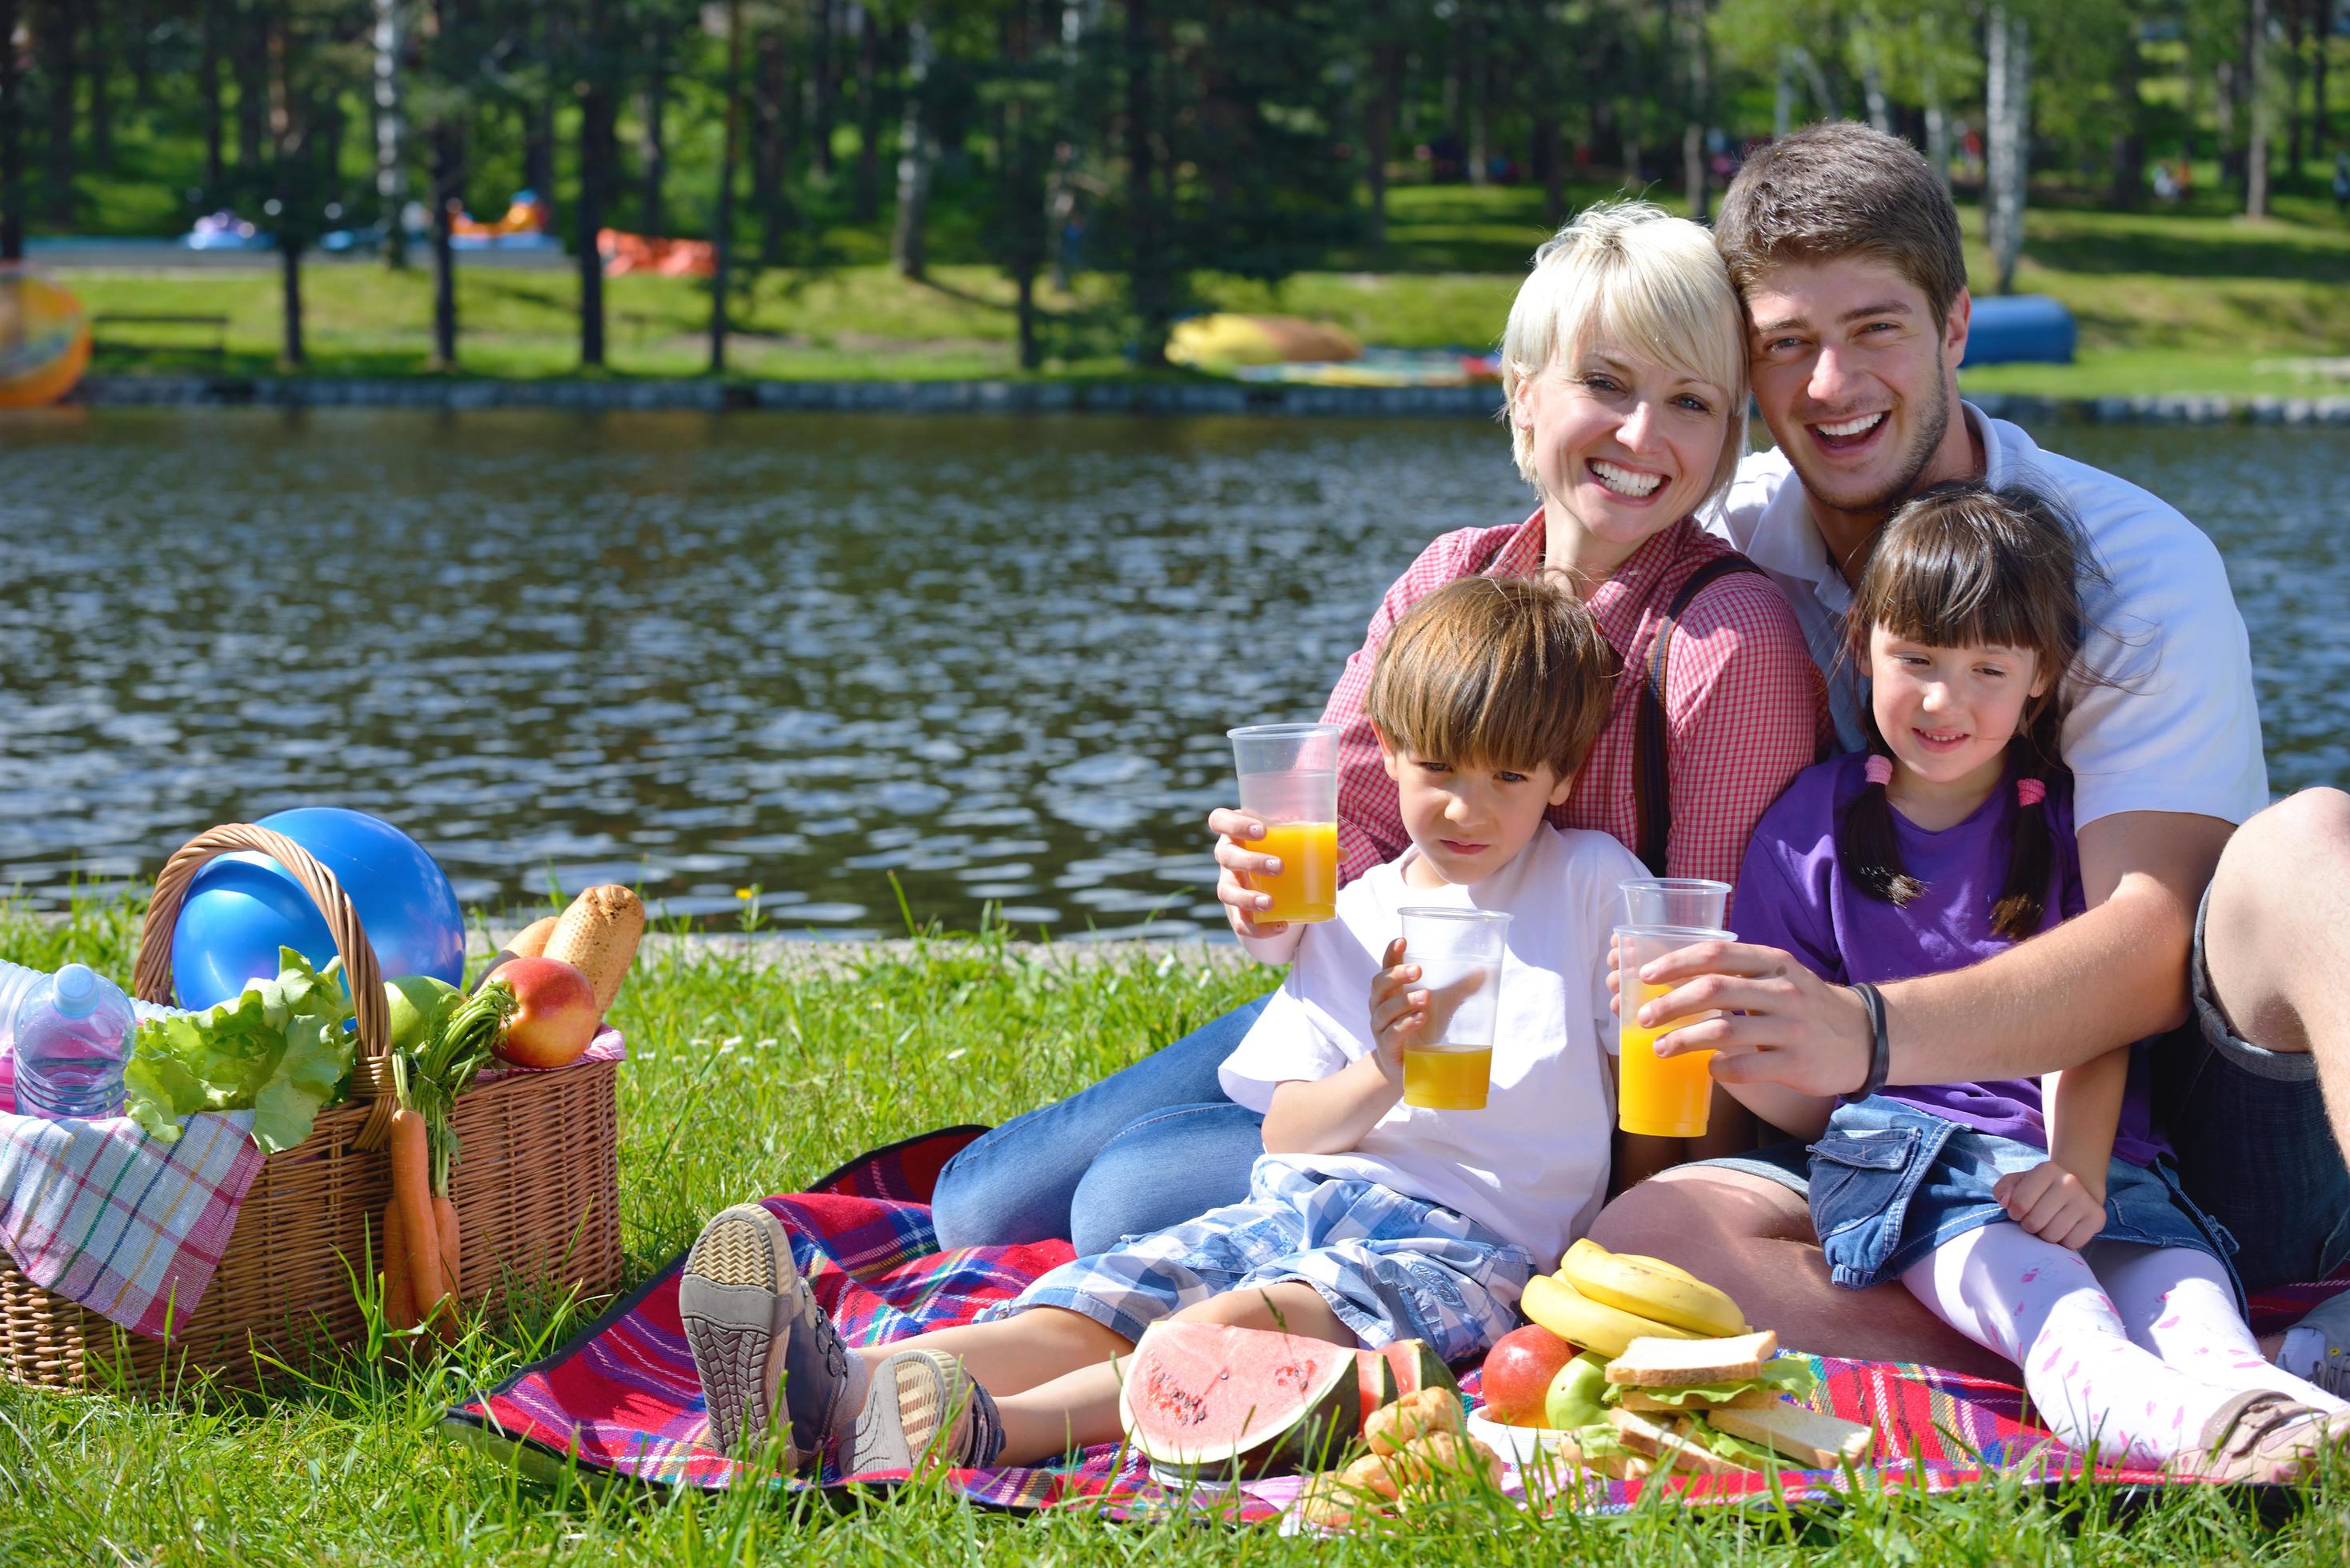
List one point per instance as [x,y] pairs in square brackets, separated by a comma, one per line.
[131,1227]
[622,1397]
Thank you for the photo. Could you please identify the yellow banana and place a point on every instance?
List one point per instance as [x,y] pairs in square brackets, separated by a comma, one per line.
[1575,1318]
[1651,1288]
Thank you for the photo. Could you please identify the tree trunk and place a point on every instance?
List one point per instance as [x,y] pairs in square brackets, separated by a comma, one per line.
[2129,141]
[721,226]
[1872,82]
[2321,134]
[208,94]
[2007,107]
[596,118]
[865,197]
[99,57]
[1937,129]
[2256,138]
[12,140]
[823,86]
[445,184]
[1378,130]
[57,49]
[289,296]
[1478,93]
[2294,70]
[1153,298]
[652,151]
[1697,58]
[770,145]
[915,149]
[390,39]
[250,61]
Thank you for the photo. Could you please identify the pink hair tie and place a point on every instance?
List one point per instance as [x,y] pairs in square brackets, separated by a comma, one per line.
[2031,792]
[1879,769]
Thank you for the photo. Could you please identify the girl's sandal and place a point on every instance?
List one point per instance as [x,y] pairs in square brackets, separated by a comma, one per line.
[2262,1436]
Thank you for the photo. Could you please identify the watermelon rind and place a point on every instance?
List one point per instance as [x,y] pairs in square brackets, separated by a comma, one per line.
[1418,1366]
[1212,1398]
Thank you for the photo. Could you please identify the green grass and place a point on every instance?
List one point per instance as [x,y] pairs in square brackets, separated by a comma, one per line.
[747,1080]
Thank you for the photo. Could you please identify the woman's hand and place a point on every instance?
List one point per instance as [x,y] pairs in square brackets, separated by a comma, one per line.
[1780,1022]
[2052,1203]
[1234,831]
[1398,1012]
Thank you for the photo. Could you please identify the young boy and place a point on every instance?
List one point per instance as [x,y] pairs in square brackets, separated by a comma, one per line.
[1366,1221]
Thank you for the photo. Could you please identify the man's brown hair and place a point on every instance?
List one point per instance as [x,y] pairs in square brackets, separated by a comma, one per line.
[1837,188]
[1505,672]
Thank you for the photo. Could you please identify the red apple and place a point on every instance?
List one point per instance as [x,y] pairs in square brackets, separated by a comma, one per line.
[1518,1373]
[557,1015]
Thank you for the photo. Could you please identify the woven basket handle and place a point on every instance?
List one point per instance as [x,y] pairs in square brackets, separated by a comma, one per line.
[151,978]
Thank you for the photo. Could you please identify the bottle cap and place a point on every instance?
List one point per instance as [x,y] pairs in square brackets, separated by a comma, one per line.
[75,990]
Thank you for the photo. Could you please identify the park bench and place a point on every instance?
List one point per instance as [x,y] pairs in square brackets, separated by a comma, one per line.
[102,338]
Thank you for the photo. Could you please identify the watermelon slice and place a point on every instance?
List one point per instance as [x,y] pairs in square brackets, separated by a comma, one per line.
[1374,1378]
[1417,1367]
[1208,1396]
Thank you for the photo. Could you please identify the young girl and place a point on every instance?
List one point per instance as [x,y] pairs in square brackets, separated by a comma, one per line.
[2040,1218]
[1368,1221]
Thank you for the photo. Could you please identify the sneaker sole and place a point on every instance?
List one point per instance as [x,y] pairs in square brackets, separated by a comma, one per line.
[934,1385]
[736,1309]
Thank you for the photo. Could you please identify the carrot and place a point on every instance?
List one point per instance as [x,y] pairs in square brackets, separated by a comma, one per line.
[444,1215]
[398,1295]
[411,1192]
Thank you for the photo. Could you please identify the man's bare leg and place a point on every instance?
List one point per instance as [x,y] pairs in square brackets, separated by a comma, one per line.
[2277,937]
[1752,1237]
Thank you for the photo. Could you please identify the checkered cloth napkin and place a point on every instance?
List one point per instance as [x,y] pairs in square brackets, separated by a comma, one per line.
[131,1227]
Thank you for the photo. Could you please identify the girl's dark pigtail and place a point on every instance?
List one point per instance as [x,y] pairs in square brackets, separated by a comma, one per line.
[2023,901]
[1865,844]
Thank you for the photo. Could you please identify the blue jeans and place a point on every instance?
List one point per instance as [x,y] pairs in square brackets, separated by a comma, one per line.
[1147,1147]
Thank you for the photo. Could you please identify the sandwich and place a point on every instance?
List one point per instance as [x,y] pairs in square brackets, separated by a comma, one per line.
[1743,1372]
[1685,1445]
[1812,1440]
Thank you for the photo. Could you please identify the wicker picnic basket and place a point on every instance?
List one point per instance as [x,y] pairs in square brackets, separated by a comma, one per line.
[536,1188]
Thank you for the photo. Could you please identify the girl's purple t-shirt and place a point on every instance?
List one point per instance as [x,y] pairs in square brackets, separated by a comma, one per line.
[1793,894]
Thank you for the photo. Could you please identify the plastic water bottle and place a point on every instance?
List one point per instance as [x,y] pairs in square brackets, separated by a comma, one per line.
[72,1038]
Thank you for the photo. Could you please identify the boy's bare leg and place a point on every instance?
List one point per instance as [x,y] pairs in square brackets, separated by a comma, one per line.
[1004,1357]
[1753,1238]
[1045,1421]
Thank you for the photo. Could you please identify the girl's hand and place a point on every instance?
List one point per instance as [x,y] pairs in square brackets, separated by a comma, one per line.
[1398,1012]
[1778,1023]
[1234,830]
[2053,1203]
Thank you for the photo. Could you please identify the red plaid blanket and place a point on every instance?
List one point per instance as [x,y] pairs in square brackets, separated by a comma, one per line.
[622,1396]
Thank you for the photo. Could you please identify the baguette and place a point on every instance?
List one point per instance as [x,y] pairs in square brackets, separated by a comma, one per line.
[598,936]
[1666,1447]
[1744,1399]
[1650,1363]
[1812,1440]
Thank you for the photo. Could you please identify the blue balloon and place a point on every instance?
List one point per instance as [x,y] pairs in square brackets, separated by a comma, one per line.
[243,907]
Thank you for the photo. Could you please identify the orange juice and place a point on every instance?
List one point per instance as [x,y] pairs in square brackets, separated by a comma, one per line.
[1661,1096]
[1308,888]
[1438,1079]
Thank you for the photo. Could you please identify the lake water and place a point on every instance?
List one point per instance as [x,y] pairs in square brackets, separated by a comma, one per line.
[991,658]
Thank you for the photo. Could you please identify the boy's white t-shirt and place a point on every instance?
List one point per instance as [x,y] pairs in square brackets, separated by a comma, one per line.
[2171,725]
[1533,1165]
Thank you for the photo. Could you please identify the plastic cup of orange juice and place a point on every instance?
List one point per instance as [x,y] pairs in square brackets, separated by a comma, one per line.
[1460,953]
[1289,781]
[1660,1096]
[1690,902]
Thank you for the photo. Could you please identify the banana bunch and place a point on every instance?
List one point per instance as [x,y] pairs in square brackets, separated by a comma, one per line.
[1603,1300]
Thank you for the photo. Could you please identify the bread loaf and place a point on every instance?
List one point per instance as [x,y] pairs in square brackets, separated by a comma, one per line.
[598,936]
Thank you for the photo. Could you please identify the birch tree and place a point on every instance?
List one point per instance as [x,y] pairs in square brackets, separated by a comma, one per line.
[2007,93]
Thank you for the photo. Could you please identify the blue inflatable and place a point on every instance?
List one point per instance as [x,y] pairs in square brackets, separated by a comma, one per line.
[2009,327]
[243,907]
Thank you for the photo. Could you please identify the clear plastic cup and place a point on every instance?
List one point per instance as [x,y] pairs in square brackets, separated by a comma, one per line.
[1289,781]
[1690,902]
[1660,1096]
[1459,953]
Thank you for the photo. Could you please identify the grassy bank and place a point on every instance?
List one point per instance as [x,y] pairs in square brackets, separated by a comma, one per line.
[2166,301]
[746,1079]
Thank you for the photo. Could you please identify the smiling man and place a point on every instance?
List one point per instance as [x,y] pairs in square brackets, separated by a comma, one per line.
[1846,249]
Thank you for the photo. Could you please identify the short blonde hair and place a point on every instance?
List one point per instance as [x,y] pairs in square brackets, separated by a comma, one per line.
[1506,672]
[1655,285]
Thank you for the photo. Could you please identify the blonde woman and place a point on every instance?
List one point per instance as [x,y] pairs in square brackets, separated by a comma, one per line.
[1624,368]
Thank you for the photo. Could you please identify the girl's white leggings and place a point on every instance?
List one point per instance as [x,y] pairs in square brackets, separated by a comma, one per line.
[2131,1348]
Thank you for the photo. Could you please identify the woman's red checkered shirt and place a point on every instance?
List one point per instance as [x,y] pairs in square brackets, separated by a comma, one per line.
[1744,707]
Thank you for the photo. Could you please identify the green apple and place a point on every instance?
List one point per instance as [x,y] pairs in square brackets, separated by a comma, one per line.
[1574,1397]
[411,1000]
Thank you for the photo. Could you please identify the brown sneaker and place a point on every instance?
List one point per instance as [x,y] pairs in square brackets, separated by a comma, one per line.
[922,1410]
[2262,1436]
[761,1343]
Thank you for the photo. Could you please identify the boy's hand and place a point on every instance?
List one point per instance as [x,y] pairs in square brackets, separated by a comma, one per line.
[1234,831]
[2053,1203]
[1398,1012]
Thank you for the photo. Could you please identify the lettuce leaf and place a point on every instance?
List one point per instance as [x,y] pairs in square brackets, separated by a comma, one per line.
[1780,1375]
[279,1048]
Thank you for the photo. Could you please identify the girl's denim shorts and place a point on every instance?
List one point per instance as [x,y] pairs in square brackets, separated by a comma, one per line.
[1891,1183]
